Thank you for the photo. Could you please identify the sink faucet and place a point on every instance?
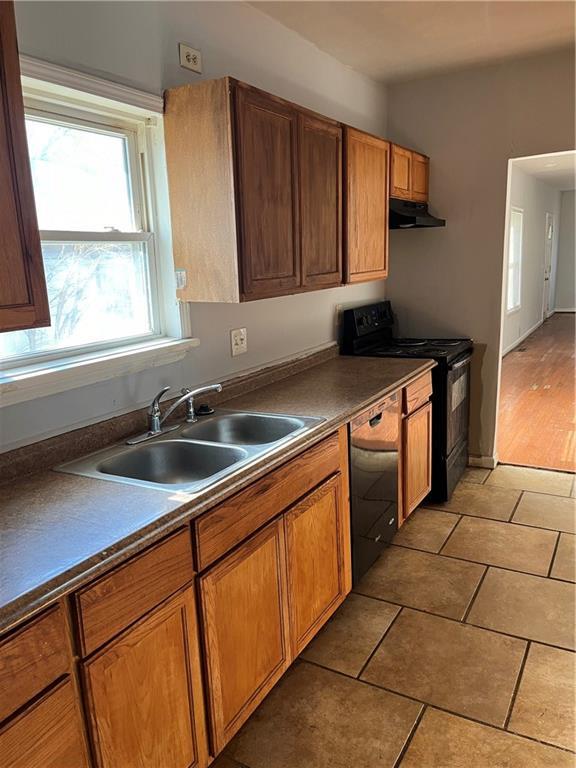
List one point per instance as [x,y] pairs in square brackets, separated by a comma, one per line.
[156,419]
[187,397]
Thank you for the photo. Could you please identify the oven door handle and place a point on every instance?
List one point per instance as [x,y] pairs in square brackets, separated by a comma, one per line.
[460,363]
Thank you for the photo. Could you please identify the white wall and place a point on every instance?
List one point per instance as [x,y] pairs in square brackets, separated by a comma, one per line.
[470,122]
[565,297]
[136,43]
[536,199]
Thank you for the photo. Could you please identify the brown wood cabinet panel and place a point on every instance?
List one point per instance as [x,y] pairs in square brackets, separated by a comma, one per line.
[401,172]
[221,529]
[23,296]
[420,169]
[345,501]
[31,658]
[417,393]
[417,457]
[113,602]
[246,629]
[46,735]
[267,136]
[320,157]
[200,165]
[145,695]
[315,558]
[367,196]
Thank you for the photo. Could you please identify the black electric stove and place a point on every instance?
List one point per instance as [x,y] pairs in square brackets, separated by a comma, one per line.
[369,331]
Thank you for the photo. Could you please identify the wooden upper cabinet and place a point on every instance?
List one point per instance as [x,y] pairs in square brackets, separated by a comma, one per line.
[144,693]
[320,144]
[255,193]
[316,560]
[267,135]
[246,629]
[420,169]
[367,198]
[401,172]
[409,174]
[23,296]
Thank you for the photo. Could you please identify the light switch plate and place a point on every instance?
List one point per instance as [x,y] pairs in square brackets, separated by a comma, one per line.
[190,58]
[239,341]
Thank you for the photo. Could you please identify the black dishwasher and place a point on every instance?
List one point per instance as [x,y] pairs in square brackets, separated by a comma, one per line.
[374,452]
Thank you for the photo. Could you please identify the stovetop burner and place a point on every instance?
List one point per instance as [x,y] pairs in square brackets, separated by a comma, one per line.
[409,342]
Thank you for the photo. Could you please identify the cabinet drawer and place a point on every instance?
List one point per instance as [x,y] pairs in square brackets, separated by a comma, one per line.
[31,658]
[233,521]
[46,735]
[417,393]
[113,602]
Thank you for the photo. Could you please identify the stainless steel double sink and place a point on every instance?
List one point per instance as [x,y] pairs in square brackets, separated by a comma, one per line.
[196,455]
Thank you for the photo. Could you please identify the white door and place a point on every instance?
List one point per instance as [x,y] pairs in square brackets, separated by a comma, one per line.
[547,307]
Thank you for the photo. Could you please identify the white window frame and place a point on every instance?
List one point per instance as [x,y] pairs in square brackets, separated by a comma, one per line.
[55,91]
[514,266]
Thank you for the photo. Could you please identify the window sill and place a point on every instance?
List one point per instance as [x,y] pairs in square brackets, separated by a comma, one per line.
[21,384]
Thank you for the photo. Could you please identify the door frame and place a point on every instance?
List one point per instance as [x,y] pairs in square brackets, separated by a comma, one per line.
[547,306]
[492,461]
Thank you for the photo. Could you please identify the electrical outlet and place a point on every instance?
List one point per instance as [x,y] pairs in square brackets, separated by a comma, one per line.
[190,58]
[239,341]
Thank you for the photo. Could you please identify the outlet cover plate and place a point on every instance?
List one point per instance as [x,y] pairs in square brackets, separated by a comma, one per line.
[239,341]
[190,58]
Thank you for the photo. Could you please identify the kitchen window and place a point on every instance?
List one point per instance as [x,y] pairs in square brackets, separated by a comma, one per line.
[514,278]
[97,243]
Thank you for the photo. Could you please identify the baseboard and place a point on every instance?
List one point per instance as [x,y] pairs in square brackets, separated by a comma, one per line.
[524,336]
[561,309]
[486,462]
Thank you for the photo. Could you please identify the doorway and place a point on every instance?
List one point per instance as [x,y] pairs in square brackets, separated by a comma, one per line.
[548,298]
[536,424]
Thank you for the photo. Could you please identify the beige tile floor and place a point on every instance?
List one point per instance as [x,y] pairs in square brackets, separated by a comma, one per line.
[455,651]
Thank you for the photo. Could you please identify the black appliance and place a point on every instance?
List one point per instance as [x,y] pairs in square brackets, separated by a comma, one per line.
[374,452]
[368,331]
[405,214]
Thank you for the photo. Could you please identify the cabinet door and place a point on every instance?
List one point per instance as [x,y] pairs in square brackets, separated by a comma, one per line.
[417,457]
[320,155]
[23,297]
[367,198]
[245,621]
[46,734]
[401,184]
[315,561]
[145,696]
[420,166]
[267,136]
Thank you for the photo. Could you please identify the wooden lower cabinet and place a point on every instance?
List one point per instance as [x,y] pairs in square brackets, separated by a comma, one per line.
[246,632]
[48,734]
[263,603]
[416,457]
[144,693]
[315,540]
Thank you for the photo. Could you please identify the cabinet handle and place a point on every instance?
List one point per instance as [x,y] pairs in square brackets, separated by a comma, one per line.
[375,420]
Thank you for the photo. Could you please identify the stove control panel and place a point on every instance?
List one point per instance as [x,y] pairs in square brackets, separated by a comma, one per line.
[373,317]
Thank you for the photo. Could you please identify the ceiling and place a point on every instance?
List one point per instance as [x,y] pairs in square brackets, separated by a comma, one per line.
[558,170]
[398,40]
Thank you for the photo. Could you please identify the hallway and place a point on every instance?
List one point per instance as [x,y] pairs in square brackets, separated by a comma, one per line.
[537,399]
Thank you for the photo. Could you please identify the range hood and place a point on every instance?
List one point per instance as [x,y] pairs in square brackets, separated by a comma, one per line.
[404,214]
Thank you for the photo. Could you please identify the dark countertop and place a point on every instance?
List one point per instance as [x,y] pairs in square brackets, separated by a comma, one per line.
[59,531]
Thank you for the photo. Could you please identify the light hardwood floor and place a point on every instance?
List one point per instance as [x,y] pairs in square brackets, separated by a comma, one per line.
[537,424]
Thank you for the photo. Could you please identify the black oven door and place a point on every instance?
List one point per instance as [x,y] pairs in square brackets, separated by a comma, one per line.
[457,402]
